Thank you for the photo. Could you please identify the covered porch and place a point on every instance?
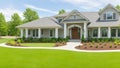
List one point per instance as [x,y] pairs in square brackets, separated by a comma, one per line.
[39,32]
[104,32]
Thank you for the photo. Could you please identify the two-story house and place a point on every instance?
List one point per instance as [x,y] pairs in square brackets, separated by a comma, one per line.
[75,24]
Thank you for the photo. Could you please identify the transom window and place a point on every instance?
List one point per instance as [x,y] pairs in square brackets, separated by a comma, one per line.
[104,32]
[95,32]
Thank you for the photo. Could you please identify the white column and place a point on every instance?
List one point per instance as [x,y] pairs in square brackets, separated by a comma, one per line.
[56,32]
[26,33]
[21,33]
[109,32]
[85,30]
[98,32]
[39,32]
[65,30]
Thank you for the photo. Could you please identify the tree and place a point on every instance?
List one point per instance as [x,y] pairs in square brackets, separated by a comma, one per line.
[30,15]
[15,21]
[3,25]
[117,7]
[61,11]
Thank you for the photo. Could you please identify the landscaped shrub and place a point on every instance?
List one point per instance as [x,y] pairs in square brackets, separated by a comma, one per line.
[43,40]
[102,40]
[13,43]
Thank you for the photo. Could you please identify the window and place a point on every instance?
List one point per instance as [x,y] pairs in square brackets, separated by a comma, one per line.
[95,32]
[51,32]
[104,32]
[113,32]
[35,32]
[118,32]
[74,16]
[41,31]
[109,16]
[29,31]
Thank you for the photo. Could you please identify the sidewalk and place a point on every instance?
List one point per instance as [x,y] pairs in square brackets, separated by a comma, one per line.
[70,46]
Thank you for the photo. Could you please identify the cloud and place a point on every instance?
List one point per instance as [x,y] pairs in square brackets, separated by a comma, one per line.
[91,4]
[10,11]
[40,9]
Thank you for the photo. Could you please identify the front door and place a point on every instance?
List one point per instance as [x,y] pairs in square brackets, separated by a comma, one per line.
[75,33]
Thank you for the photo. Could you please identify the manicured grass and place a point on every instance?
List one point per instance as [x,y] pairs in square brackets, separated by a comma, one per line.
[3,40]
[31,58]
[38,44]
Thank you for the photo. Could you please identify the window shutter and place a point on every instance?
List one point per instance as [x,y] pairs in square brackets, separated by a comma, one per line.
[114,16]
[104,17]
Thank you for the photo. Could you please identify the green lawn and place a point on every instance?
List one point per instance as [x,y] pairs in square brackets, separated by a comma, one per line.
[39,44]
[3,40]
[31,58]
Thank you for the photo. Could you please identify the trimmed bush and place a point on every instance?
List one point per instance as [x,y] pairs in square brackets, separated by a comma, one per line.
[43,40]
[102,40]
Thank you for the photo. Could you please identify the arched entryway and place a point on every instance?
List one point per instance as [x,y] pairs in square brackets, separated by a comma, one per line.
[75,31]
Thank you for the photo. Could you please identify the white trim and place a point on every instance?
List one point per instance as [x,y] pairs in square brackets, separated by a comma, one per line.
[26,33]
[65,30]
[99,32]
[85,30]
[39,32]
[56,32]
[109,32]
[21,33]
[107,15]
[78,13]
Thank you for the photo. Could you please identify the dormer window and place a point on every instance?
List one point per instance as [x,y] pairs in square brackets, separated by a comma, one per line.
[109,16]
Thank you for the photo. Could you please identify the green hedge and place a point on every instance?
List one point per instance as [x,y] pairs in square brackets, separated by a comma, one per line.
[43,40]
[101,40]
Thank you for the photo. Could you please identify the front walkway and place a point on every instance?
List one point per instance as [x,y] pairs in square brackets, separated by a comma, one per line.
[70,46]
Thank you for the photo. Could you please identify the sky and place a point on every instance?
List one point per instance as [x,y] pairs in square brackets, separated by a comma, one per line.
[47,8]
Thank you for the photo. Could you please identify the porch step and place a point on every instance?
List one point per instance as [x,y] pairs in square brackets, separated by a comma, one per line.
[75,40]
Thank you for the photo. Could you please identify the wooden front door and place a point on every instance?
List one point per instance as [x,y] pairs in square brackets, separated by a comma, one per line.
[75,33]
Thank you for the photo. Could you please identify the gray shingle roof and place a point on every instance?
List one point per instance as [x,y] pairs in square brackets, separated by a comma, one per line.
[105,24]
[94,20]
[47,22]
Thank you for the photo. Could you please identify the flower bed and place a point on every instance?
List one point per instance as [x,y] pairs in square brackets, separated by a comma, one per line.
[57,44]
[99,46]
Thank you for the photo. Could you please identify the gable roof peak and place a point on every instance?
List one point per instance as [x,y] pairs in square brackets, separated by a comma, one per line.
[108,6]
[75,10]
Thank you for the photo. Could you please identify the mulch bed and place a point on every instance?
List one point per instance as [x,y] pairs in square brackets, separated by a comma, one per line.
[99,46]
[57,44]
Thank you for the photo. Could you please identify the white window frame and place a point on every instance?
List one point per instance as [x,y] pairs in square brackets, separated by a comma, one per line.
[107,15]
[101,32]
[116,34]
[36,32]
[93,32]
[53,33]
